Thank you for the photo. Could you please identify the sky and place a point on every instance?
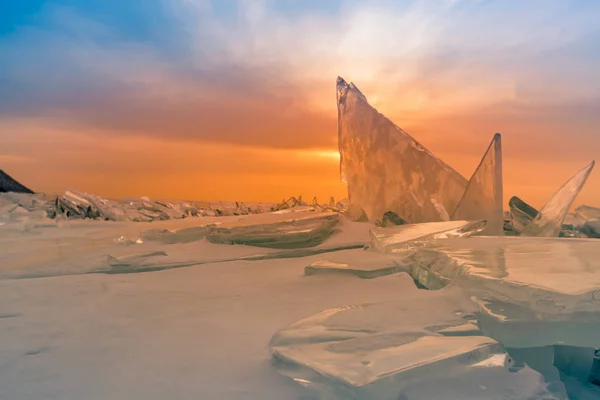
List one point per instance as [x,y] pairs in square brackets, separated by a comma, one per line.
[235,100]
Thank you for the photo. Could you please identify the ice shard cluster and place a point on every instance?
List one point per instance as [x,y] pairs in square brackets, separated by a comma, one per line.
[517,312]
[388,171]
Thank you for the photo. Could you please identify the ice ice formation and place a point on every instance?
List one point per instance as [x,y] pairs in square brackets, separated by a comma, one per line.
[521,213]
[388,170]
[294,233]
[364,264]
[360,352]
[406,237]
[551,217]
[548,275]
[539,297]
[482,198]
[587,212]
[8,184]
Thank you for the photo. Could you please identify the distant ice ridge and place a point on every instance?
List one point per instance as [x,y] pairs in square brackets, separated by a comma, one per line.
[78,205]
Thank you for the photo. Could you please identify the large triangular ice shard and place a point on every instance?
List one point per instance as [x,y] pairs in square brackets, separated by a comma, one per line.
[483,197]
[551,217]
[388,170]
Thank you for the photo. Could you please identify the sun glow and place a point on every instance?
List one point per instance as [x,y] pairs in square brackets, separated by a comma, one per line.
[333,155]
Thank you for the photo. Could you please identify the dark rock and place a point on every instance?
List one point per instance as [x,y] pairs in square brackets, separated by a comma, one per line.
[8,184]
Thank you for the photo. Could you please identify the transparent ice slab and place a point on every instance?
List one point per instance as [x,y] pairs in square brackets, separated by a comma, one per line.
[184,235]
[361,263]
[551,217]
[388,170]
[548,275]
[67,247]
[294,233]
[396,351]
[588,212]
[483,196]
[519,326]
[401,238]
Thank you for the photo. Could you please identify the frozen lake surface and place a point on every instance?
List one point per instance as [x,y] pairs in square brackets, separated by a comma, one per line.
[92,310]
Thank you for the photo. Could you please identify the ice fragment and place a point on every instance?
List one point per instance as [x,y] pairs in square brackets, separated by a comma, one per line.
[363,264]
[405,237]
[483,196]
[551,217]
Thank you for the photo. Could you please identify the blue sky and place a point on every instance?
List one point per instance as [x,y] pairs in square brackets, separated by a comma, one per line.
[257,75]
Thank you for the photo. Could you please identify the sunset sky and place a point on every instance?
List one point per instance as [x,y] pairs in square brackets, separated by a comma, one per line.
[226,100]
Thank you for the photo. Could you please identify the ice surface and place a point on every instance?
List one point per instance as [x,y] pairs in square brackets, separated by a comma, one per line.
[386,169]
[201,332]
[406,237]
[483,196]
[549,275]
[398,350]
[49,247]
[551,217]
[193,333]
[519,326]
[294,233]
[184,235]
[364,264]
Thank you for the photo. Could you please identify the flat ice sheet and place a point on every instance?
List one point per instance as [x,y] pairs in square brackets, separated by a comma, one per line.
[551,273]
[188,333]
[49,248]
[361,263]
[396,349]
